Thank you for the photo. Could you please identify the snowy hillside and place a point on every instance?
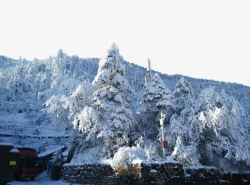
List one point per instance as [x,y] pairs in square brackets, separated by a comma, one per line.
[58,93]
[43,78]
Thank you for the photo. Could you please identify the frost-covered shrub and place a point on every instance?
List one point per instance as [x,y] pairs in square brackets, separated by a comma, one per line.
[124,157]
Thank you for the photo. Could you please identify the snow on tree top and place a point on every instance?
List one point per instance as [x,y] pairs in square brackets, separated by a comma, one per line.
[113,51]
[111,69]
[183,88]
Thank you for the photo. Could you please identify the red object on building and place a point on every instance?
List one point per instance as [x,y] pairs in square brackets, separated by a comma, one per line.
[164,144]
[27,165]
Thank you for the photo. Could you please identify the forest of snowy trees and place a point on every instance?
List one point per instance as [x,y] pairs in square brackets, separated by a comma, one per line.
[115,113]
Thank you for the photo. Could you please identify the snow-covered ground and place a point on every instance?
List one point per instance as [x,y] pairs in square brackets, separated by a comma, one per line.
[41,180]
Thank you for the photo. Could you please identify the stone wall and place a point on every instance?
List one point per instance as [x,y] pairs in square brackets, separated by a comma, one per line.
[202,176]
[213,176]
[143,174]
[154,173]
[159,173]
[89,174]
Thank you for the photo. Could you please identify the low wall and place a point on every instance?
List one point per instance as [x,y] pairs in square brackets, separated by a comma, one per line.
[89,174]
[202,176]
[140,173]
[213,176]
[159,173]
[147,174]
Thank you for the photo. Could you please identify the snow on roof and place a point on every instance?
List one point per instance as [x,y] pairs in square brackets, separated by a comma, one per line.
[48,152]
[24,147]
[6,144]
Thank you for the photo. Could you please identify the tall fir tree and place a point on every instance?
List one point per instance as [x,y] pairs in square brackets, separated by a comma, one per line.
[109,118]
[156,97]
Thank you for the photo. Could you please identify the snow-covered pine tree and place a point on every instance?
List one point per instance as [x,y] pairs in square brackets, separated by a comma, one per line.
[111,99]
[156,97]
[109,118]
[181,122]
[183,105]
[62,79]
[183,95]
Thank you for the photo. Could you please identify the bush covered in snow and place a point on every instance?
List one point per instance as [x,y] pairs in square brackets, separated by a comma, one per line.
[124,157]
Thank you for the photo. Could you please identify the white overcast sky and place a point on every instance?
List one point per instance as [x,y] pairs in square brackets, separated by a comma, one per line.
[203,39]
